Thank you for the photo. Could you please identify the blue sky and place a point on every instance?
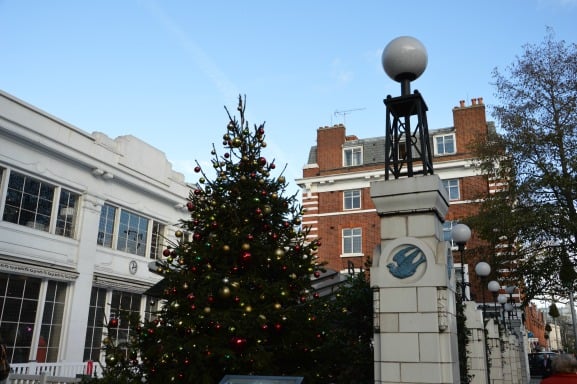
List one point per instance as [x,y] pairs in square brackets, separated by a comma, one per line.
[164,70]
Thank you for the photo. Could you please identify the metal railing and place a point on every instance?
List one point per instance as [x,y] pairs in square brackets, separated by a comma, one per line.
[61,369]
[40,379]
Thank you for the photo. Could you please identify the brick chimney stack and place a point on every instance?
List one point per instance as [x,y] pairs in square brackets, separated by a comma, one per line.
[330,141]
[470,122]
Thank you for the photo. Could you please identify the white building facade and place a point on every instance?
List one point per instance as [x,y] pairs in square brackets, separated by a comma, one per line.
[81,217]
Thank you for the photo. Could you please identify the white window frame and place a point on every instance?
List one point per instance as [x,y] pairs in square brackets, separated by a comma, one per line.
[353,196]
[356,156]
[351,234]
[149,241]
[452,185]
[108,303]
[444,145]
[59,218]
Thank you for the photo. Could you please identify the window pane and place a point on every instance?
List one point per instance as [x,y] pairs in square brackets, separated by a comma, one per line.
[66,213]
[132,234]
[106,225]
[352,240]
[440,146]
[29,202]
[18,314]
[352,199]
[449,144]
[52,320]
[452,187]
[94,330]
[353,156]
[156,240]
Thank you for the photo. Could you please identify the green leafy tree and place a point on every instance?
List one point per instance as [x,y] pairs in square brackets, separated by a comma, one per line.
[533,158]
[346,356]
[238,296]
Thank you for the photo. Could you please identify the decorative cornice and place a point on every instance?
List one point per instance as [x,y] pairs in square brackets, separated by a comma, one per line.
[37,270]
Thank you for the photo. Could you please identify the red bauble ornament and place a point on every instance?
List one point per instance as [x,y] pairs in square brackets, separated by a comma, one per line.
[317,274]
[262,161]
[196,236]
[303,299]
[191,296]
[190,206]
[238,343]
[316,295]
[211,299]
[197,169]
[113,323]
[166,252]
[278,327]
[246,256]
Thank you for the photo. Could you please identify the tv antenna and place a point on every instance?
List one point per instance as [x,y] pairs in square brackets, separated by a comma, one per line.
[345,112]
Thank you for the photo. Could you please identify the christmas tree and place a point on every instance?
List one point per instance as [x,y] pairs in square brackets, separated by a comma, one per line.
[238,296]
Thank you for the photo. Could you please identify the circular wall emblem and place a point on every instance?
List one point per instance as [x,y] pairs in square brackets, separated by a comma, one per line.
[133,266]
[406,259]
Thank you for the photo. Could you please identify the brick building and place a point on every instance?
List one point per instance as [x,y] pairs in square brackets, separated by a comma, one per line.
[341,167]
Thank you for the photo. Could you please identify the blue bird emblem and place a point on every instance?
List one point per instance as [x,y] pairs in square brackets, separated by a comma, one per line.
[406,262]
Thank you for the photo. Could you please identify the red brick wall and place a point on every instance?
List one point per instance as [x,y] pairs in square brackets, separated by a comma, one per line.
[330,235]
[470,124]
[535,322]
[329,146]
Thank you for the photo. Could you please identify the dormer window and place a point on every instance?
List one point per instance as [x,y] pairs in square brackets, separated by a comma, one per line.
[445,144]
[353,156]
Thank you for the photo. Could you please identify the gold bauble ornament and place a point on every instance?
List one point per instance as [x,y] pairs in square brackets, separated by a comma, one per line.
[224,292]
[245,247]
[277,306]
[178,233]
[248,309]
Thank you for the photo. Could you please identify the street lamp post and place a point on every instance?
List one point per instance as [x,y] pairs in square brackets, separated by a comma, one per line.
[494,287]
[512,313]
[502,299]
[483,269]
[461,233]
[509,309]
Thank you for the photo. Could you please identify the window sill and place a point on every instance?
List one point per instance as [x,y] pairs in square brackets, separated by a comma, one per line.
[345,255]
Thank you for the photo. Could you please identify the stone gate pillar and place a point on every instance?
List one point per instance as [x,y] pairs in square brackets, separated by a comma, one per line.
[413,284]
